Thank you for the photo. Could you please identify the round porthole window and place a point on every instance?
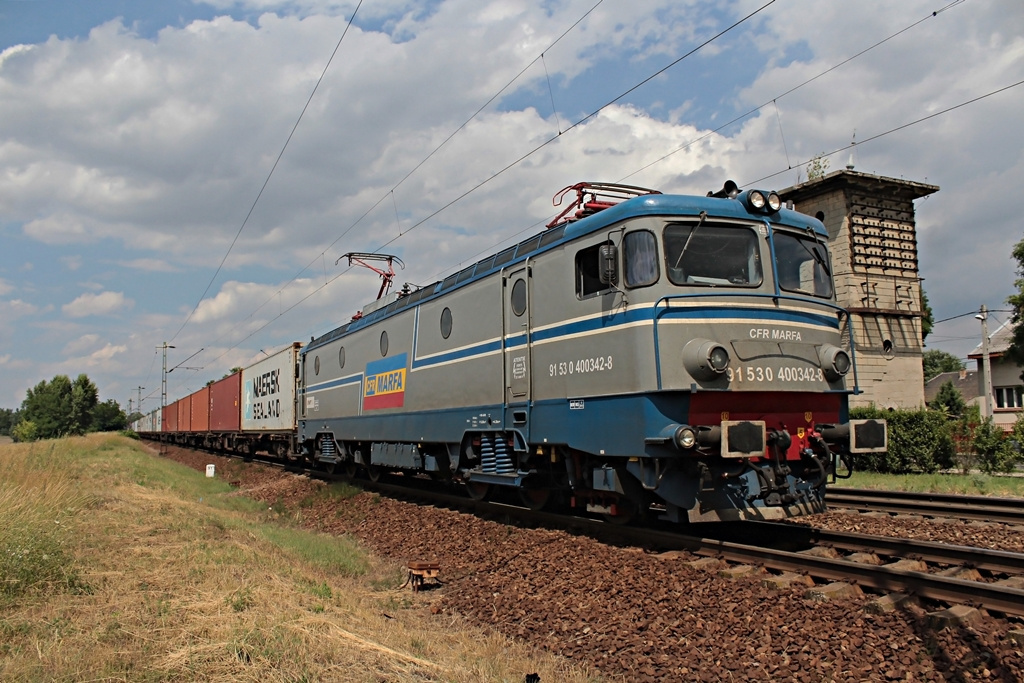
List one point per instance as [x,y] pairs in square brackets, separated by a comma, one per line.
[446,322]
[519,297]
[341,357]
[316,365]
[888,350]
[384,343]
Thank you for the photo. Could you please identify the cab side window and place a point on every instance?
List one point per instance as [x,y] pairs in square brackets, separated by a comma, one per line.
[588,281]
[641,257]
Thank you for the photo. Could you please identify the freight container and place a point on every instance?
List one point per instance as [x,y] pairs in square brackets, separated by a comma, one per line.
[200,410]
[225,404]
[269,390]
[184,414]
[170,418]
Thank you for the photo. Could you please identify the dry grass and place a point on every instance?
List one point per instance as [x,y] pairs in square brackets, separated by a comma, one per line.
[167,577]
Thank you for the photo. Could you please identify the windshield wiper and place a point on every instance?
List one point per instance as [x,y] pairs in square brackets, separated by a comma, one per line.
[703,217]
[814,252]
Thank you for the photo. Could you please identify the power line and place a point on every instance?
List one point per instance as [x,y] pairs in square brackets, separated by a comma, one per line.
[589,116]
[793,89]
[502,170]
[271,173]
[430,155]
[899,128]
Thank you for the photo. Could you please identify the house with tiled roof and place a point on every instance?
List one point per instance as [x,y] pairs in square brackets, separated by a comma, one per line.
[965,381]
[1007,387]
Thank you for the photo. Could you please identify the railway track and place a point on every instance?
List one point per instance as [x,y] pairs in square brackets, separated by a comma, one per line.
[1004,510]
[989,579]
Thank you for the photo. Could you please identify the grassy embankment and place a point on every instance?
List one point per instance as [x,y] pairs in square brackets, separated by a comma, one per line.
[118,565]
[974,484]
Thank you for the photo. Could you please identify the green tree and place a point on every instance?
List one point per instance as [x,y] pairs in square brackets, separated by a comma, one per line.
[817,167]
[927,318]
[61,407]
[8,418]
[48,405]
[1016,350]
[936,362]
[84,397]
[949,400]
[108,417]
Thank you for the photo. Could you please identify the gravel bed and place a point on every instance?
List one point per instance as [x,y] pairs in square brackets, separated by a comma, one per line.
[639,617]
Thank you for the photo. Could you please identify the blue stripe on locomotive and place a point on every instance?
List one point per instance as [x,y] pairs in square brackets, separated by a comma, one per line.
[553,421]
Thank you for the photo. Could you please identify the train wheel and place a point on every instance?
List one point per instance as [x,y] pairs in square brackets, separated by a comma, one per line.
[626,510]
[534,499]
[374,472]
[477,490]
[351,469]
[330,467]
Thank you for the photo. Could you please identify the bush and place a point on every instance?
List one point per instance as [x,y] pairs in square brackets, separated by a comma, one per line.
[919,441]
[25,431]
[993,450]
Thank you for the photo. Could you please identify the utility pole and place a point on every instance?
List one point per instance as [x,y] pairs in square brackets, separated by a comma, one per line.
[986,363]
[138,405]
[163,380]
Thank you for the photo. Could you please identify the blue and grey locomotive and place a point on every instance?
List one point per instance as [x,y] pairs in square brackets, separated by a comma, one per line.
[675,355]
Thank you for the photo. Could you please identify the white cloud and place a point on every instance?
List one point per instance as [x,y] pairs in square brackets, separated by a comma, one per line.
[140,151]
[16,308]
[81,344]
[104,303]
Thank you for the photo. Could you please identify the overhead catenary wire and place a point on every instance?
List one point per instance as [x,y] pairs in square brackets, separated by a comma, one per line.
[609,103]
[323,254]
[810,80]
[899,128]
[270,174]
[436,149]
[585,118]
[504,169]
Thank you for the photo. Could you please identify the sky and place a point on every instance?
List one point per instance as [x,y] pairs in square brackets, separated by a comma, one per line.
[189,171]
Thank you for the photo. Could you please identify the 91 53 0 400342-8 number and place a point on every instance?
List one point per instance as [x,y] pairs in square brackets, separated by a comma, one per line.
[580,366]
[765,373]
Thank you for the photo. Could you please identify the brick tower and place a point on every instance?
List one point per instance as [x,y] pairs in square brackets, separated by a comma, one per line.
[873,240]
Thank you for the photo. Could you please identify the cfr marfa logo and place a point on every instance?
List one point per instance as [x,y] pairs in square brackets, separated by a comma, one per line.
[384,386]
[385,383]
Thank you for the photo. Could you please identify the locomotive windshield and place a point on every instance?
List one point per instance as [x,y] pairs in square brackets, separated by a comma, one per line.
[802,265]
[712,255]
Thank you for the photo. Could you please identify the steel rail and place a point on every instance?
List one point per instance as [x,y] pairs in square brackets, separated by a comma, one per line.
[989,509]
[991,596]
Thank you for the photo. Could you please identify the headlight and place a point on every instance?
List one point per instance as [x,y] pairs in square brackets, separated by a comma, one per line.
[685,438]
[757,199]
[834,361]
[705,359]
[774,201]
[718,359]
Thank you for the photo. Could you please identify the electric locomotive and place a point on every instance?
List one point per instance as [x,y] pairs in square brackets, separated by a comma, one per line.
[646,354]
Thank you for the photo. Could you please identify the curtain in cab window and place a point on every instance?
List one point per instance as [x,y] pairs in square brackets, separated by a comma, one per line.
[641,256]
